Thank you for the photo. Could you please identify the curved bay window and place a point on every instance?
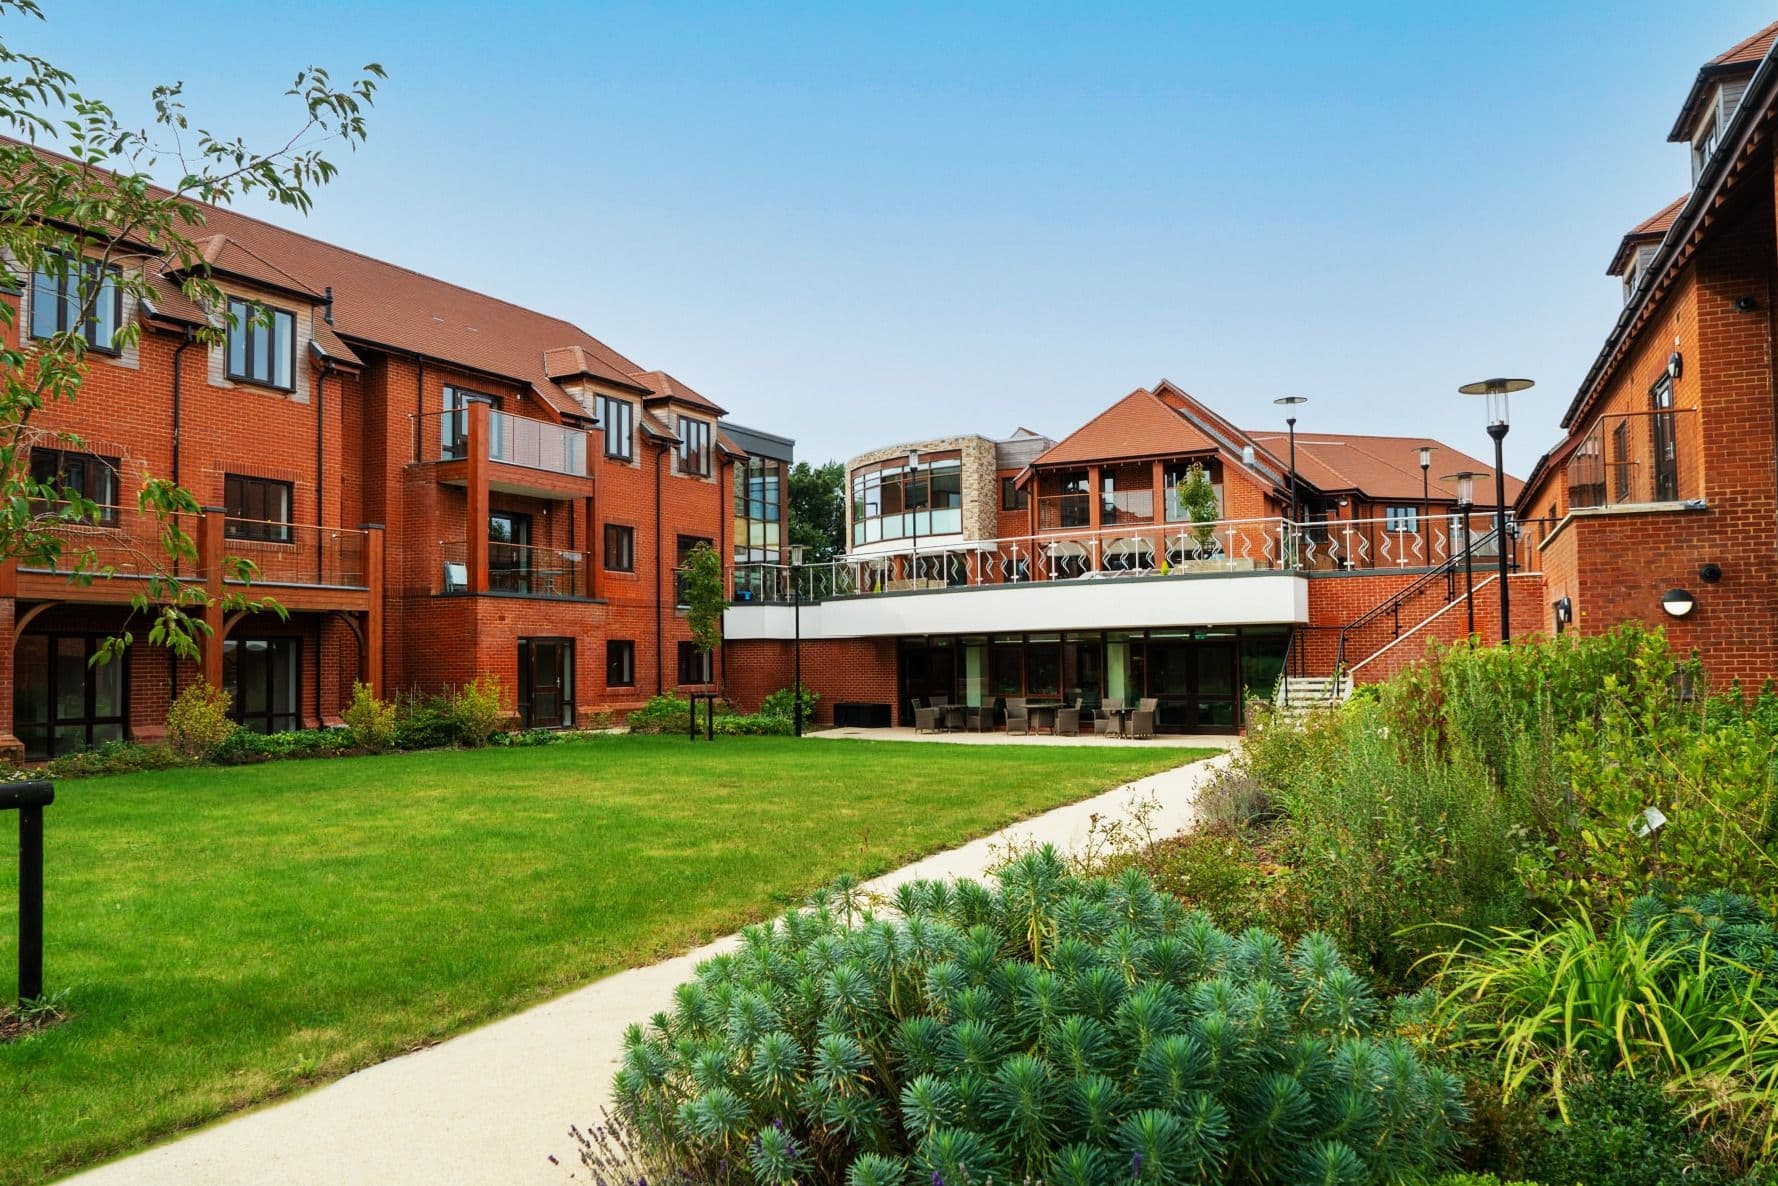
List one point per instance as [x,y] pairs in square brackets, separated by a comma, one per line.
[891,502]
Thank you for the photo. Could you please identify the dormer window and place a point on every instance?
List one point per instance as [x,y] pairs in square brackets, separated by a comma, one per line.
[1704,143]
[1639,262]
[694,447]
[60,289]
[261,344]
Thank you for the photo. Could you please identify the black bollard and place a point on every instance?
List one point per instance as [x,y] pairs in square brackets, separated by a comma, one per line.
[29,799]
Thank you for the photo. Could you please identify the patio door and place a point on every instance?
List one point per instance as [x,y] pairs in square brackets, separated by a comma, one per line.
[546,682]
[509,551]
[1196,680]
[1666,444]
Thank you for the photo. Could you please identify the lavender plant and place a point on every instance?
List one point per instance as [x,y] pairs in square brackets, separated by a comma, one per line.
[1048,1027]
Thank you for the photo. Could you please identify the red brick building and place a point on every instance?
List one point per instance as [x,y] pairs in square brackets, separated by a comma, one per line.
[432,482]
[1661,495]
[981,569]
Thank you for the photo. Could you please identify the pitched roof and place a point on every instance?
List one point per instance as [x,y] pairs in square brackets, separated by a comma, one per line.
[1381,467]
[229,258]
[1139,425]
[1650,230]
[397,308]
[1739,59]
[575,362]
[666,386]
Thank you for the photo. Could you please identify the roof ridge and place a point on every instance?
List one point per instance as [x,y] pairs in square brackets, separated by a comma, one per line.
[232,212]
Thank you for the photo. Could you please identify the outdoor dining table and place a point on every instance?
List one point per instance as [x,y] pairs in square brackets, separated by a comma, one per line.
[1120,719]
[1042,713]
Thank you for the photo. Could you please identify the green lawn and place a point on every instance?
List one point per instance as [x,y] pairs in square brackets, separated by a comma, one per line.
[232,935]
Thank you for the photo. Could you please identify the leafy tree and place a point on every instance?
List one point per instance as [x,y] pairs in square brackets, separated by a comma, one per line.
[1197,495]
[704,595]
[93,223]
[818,510]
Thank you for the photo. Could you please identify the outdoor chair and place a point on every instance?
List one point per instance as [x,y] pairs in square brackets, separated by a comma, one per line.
[979,721]
[1068,722]
[1149,704]
[1142,723]
[1017,721]
[926,720]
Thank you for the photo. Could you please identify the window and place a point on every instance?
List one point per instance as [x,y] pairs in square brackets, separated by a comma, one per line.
[1703,144]
[694,665]
[509,552]
[60,288]
[1665,432]
[618,418]
[263,675]
[261,344]
[61,700]
[891,502]
[257,508]
[687,544]
[455,423]
[1401,518]
[1012,498]
[620,663]
[1620,461]
[694,446]
[759,511]
[620,548]
[82,474]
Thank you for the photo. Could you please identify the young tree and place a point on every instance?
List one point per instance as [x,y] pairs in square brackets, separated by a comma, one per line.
[702,591]
[90,225]
[818,510]
[1197,495]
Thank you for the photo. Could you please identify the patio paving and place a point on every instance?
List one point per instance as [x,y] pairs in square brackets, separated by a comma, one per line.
[491,1107]
[902,733]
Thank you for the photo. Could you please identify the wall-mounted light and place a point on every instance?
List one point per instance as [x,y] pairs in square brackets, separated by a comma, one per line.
[1710,573]
[1745,304]
[1675,365]
[1564,608]
[1678,603]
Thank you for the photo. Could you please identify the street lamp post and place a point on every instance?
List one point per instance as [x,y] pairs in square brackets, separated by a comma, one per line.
[1465,480]
[1495,392]
[911,503]
[1291,401]
[1294,555]
[1426,499]
[796,601]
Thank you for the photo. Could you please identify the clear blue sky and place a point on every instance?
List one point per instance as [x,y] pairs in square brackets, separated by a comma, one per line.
[857,224]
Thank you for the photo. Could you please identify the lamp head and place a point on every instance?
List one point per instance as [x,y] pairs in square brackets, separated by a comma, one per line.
[1425,456]
[1465,480]
[1495,392]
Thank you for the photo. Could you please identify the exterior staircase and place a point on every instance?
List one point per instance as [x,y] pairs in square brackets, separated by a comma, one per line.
[1298,695]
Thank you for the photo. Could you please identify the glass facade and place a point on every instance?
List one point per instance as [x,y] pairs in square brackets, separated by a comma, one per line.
[892,502]
[1200,676]
[759,511]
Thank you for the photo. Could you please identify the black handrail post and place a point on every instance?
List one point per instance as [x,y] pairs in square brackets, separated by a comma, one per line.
[29,799]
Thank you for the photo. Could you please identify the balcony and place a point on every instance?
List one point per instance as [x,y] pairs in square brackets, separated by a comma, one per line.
[1146,551]
[298,565]
[1636,459]
[520,455]
[514,570]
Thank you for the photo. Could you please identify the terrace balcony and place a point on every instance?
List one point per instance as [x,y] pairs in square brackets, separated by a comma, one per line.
[1637,460]
[479,446]
[1230,571]
[515,570]
[302,566]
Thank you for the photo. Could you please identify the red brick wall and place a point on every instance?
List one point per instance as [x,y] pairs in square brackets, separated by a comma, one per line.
[1615,567]
[837,670]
